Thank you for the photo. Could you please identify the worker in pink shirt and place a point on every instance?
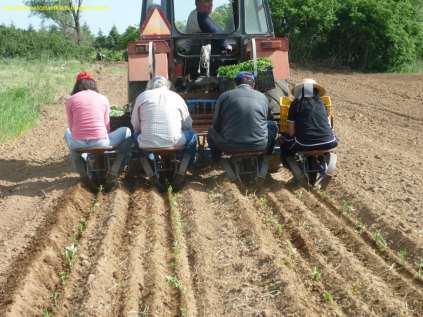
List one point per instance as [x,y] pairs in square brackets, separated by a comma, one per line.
[89,121]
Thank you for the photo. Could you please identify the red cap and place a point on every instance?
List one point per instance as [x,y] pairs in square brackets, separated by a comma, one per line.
[84,75]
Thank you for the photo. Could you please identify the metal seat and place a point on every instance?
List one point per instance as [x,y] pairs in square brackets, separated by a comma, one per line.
[243,153]
[95,150]
[164,150]
[316,152]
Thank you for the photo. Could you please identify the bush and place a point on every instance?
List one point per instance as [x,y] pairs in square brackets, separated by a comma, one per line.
[375,35]
[381,35]
[33,44]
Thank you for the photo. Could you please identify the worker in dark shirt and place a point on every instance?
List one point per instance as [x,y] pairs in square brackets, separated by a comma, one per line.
[199,21]
[242,120]
[309,127]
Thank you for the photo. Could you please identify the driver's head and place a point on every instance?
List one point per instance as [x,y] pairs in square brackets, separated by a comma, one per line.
[204,6]
[245,78]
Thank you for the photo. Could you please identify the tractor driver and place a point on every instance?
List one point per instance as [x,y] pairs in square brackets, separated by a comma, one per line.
[309,128]
[242,120]
[199,21]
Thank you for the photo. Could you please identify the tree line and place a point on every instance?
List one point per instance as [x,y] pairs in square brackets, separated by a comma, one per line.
[56,42]
[376,35]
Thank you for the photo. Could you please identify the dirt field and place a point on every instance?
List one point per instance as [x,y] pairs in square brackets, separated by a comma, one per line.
[213,249]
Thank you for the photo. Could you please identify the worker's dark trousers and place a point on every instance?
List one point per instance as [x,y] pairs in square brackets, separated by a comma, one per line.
[289,146]
[217,143]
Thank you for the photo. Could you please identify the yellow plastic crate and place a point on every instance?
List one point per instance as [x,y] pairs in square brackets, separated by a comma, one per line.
[285,103]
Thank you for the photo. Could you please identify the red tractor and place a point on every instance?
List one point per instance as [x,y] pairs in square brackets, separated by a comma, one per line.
[168,46]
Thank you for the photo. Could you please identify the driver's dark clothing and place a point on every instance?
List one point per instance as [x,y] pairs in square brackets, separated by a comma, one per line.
[242,122]
[206,24]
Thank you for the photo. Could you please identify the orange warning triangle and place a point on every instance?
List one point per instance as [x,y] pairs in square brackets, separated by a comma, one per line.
[156,24]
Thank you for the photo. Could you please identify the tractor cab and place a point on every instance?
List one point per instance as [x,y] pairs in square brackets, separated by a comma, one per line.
[187,40]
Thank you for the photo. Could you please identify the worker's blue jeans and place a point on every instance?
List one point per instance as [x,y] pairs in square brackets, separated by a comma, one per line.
[190,145]
[119,139]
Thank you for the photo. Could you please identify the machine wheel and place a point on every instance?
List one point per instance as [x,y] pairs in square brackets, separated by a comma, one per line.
[295,170]
[313,164]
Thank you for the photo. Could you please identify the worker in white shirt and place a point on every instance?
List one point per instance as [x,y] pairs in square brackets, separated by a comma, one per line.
[161,119]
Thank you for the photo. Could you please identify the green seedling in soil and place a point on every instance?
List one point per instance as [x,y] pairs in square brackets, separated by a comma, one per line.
[174,281]
[82,226]
[46,313]
[74,238]
[300,194]
[63,276]
[279,228]
[55,299]
[347,207]
[360,226]
[70,255]
[403,254]
[379,240]
[316,274]
[184,311]
[94,207]
[327,297]
[421,267]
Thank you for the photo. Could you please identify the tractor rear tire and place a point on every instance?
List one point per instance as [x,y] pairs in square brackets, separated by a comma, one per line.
[274,95]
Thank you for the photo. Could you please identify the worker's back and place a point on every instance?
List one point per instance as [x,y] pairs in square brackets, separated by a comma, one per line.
[242,118]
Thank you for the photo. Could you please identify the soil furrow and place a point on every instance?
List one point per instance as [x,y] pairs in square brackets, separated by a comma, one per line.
[104,283]
[75,286]
[131,303]
[158,296]
[35,277]
[236,268]
[188,305]
[376,282]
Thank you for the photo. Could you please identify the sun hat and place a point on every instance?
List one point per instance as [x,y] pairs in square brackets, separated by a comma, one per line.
[84,75]
[296,91]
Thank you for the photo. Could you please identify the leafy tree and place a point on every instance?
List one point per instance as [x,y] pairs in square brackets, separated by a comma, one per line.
[223,16]
[366,34]
[67,19]
[100,41]
[131,33]
[375,35]
[113,39]
[308,24]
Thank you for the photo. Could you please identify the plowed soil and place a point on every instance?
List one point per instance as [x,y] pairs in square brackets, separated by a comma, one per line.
[354,248]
